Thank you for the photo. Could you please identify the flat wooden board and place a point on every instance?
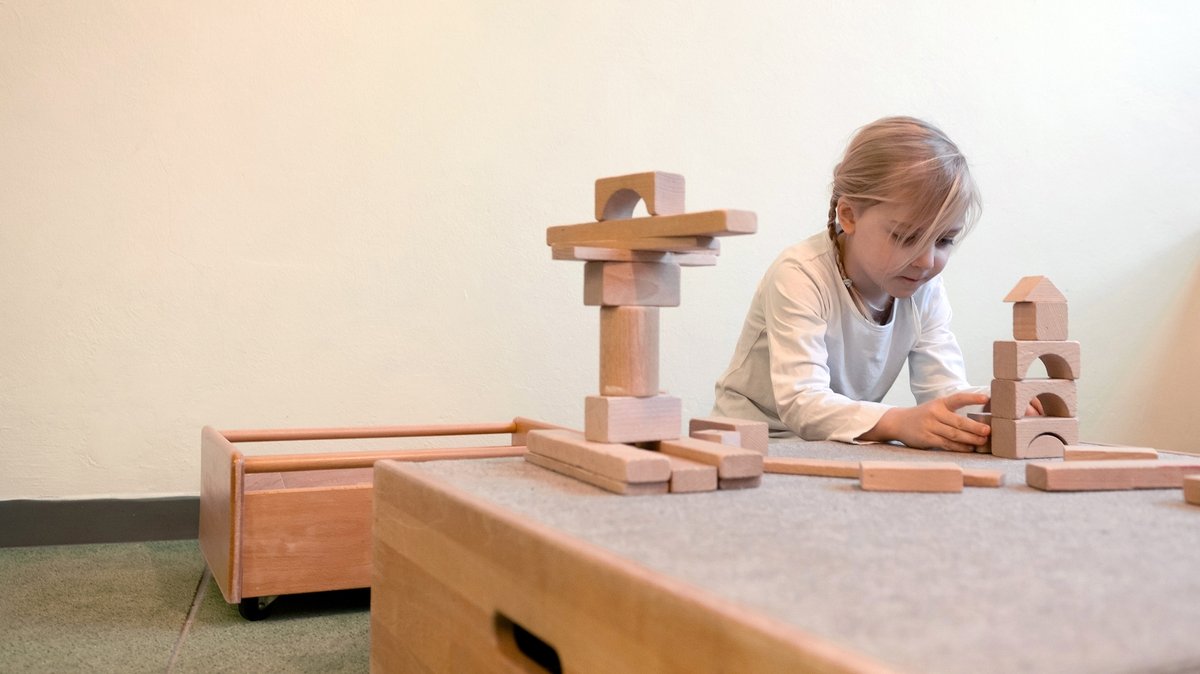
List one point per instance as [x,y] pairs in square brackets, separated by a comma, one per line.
[614,461]
[703,223]
[911,476]
[1109,475]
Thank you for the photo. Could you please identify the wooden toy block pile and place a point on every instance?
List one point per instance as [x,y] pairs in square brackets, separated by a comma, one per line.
[1039,333]
[631,442]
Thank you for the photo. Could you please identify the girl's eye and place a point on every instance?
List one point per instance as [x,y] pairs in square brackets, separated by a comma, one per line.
[905,241]
[945,243]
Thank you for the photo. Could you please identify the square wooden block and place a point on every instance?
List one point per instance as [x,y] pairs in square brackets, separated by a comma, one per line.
[628,419]
[1040,320]
[634,284]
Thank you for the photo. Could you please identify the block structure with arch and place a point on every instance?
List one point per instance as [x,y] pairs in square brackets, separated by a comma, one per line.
[1040,333]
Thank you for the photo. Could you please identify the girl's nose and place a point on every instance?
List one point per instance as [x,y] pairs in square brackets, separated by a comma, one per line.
[925,259]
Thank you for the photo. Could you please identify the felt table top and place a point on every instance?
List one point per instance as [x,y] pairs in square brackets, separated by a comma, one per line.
[989,580]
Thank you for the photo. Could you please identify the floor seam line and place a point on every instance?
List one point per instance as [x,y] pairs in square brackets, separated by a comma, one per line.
[201,590]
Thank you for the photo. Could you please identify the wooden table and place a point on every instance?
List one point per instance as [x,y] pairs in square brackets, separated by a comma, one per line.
[498,565]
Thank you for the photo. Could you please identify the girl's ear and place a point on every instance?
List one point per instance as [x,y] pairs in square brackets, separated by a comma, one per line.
[846,215]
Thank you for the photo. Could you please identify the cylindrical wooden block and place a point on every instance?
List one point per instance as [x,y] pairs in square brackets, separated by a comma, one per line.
[629,351]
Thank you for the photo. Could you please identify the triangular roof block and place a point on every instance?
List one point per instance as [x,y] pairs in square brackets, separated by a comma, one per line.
[1035,289]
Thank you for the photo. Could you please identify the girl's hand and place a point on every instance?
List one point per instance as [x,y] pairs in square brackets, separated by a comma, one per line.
[934,425]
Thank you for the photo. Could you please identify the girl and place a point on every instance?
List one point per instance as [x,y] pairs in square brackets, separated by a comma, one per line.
[837,315]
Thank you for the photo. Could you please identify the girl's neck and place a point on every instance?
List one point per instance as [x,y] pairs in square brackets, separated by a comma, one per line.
[875,303]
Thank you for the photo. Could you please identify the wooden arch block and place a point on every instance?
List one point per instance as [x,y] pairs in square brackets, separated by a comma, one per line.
[1033,437]
[616,197]
[1011,358]
[1040,320]
[643,284]
[1010,397]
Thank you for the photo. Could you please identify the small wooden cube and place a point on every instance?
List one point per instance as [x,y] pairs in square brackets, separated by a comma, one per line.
[641,284]
[627,419]
[1040,320]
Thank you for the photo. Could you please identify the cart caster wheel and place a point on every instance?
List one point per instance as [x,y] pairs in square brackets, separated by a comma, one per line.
[255,608]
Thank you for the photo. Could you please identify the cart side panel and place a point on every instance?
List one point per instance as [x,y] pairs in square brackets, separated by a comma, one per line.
[306,540]
[221,510]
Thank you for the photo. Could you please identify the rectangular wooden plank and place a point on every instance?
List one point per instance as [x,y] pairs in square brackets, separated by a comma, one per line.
[595,479]
[702,223]
[814,467]
[1109,475]
[680,245]
[912,476]
[566,251]
[731,438]
[614,461]
[731,462]
[1106,453]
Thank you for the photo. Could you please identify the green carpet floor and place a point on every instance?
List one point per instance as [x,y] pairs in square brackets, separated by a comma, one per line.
[150,607]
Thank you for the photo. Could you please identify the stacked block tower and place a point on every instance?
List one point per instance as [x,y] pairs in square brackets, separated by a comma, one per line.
[1039,333]
[631,442]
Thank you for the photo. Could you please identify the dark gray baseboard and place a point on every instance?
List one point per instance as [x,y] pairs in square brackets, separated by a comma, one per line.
[71,522]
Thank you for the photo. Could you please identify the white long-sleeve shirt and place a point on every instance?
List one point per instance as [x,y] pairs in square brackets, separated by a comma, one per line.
[809,362]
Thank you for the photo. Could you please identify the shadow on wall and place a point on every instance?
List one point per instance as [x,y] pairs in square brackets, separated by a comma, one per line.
[1170,385]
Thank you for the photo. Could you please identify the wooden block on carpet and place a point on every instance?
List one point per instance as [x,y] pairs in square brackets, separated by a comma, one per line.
[731,462]
[691,476]
[1109,475]
[629,419]
[978,477]
[1106,453]
[731,438]
[788,465]
[614,461]
[1191,489]
[754,433]
[595,479]
[913,476]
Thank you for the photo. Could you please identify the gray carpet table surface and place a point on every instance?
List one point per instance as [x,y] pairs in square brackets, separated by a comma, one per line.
[990,580]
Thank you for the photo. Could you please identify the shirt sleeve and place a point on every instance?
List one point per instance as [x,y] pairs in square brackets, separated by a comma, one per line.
[935,364]
[795,312]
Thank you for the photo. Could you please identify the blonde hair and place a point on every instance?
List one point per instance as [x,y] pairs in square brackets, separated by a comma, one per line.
[910,161]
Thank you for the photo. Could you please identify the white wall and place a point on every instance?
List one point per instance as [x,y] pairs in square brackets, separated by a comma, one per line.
[303,214]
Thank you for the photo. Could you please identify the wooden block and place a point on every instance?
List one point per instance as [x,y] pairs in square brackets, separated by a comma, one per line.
[629,351]
[1040,320]
[937,477]
[754,433]
[1011,358]
[983,418]
[593,254]
[642,284]
[1035,289]
[731,462]
[731,438]
[1033,437]
[677,245]
[595,479]
[1191,489]
[1109,475]
[616,197]
[1106,453]
[739,482]
[976,477]
[703,223]
[613,461]
[815,467]
[691,476]
[627,419]
[1010,398]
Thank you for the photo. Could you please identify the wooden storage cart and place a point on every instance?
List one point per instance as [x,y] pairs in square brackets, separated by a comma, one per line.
[292,523]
